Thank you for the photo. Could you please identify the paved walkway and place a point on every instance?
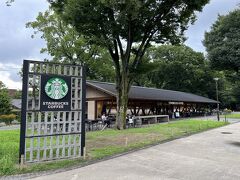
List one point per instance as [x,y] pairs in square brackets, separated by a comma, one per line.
[12,127]
[212,155]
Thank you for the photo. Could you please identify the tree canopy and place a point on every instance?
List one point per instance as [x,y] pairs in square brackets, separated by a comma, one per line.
[9,2]
[126,29]
[223,50]
[222,42]
[179,68]
[65,45]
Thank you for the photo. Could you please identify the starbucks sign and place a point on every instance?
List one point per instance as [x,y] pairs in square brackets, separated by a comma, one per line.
[56,88]
[55,93]
[53,112]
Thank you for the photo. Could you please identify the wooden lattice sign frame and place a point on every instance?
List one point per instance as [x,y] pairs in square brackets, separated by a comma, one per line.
[53,112]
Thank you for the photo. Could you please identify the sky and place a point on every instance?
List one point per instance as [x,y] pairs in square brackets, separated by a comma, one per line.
[16,43]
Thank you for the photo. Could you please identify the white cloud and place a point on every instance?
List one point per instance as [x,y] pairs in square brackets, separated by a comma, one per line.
[5,78]
[9,66]
[15,39]
[9,75]
[205,19]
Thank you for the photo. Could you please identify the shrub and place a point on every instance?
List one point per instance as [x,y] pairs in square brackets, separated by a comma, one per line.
[7,118]
[227,111]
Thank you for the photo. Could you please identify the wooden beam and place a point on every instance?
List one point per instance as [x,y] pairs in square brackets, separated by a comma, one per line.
[138,111]
[109,111]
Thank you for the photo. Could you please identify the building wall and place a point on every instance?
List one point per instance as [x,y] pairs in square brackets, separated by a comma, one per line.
[91,110]
[94,108]
[94,93]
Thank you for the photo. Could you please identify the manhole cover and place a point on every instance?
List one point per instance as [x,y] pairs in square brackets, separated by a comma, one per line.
[226,133]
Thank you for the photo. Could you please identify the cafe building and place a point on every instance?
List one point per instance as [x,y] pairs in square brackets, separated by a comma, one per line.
[143,101]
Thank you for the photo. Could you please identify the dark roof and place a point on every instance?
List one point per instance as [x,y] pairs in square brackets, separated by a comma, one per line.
[144,93]
[12,92]
[16,103]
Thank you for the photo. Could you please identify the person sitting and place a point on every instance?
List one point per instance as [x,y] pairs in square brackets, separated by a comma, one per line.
[177,114]
[103,117]
[105,120]
[130,121]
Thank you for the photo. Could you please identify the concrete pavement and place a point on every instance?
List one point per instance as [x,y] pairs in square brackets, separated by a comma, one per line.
[12,127]
[212,155]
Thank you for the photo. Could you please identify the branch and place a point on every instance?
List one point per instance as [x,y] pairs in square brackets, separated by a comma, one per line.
[129,43]
[115,58]
[65,51]
[120,46]
[138,52]
[148,34]
[116,49]
[116,36]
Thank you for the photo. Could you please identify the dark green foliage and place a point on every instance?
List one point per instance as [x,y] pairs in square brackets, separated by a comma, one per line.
[180,68]
[65,45]
[126,29]
[18,94]
[229,89]
[113,17]
[110,23]
[5,104]
[223,42]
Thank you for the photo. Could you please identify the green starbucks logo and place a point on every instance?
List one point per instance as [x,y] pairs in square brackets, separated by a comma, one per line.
[56,88]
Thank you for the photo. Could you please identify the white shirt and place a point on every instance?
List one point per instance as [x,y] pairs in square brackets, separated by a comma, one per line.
[104,118]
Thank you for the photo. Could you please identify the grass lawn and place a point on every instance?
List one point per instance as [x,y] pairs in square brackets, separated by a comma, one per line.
[100,144]
[234,116]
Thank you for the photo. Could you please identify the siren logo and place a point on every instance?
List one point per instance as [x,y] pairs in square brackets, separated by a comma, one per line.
[56,94]
[56,88]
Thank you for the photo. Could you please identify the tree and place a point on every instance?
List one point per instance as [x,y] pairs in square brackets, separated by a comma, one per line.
[179,68]
[65,45]
[126,29]
[229,84]
[9,2]
[18,94]
[5,106]
[222,42]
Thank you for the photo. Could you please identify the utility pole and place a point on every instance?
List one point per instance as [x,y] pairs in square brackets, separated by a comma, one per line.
[216,80]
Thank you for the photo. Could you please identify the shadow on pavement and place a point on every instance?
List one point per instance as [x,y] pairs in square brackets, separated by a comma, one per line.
[234,143]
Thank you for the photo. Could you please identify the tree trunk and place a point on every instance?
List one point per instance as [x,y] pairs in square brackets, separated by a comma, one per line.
[122,101]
